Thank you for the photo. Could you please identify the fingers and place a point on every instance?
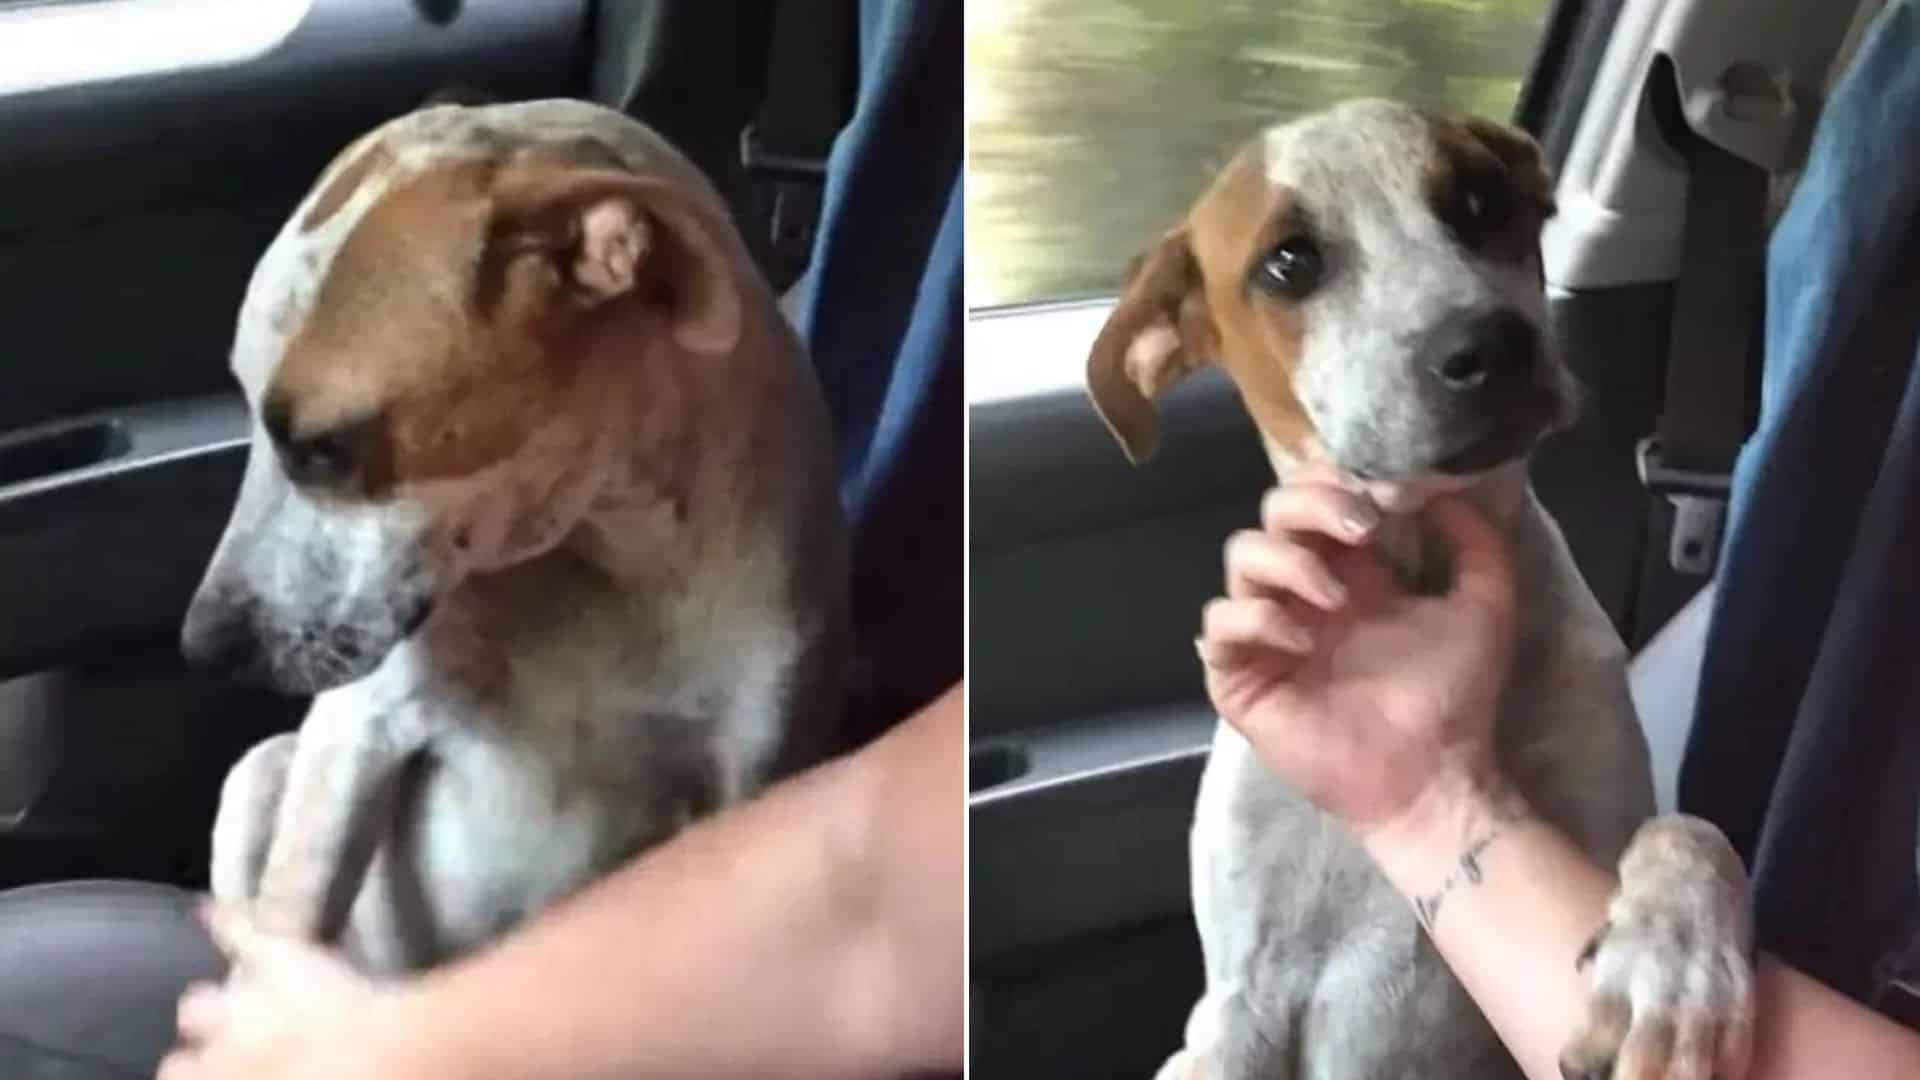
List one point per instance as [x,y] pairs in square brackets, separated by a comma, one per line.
[1325,474]
[201,1011]
[1482,565]
[232,933]
[179,1064]
[1280,556]
[246,947]
[1258,563]
[1327,514]
[1319,510]
[1735,1055]
[1230,627]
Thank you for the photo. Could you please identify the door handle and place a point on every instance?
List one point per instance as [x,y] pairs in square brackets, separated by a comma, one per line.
[28,747]
[40,453]
[47,457]
[106,523]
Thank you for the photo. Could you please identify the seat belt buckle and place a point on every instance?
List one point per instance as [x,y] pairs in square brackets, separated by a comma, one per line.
[788,190]
[1699,498]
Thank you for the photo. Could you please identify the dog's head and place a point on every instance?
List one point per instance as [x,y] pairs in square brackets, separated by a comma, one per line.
[447,353]
[1369,277]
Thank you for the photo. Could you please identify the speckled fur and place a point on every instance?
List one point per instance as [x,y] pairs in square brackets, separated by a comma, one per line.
[638,603]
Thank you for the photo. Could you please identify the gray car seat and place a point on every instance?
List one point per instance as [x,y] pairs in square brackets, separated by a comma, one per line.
[108,959]
[1664,678]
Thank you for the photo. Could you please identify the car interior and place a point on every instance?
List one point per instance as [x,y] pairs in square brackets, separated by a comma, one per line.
[1089,721]
[146,172]
[148,162]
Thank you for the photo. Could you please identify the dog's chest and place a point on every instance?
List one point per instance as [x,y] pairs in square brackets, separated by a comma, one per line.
[1334,977]
[564,747]
[610,690]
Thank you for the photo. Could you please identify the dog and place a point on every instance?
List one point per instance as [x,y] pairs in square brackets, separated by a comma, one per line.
[1368,277]
[540,503]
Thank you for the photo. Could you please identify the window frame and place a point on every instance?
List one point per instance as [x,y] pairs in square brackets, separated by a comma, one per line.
[56,45]
[1019,351]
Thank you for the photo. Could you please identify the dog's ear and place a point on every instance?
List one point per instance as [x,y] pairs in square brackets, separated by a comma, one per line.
[1525,162]
[1157,333]
[611,234]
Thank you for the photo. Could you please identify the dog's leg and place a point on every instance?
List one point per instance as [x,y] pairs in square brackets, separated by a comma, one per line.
[243,826]
[333,813]
[380,936]
[1671,982]
[1223,1041]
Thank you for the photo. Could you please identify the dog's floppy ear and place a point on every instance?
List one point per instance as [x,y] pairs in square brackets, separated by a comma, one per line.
[1525,162]
[1157,333]
[611,233]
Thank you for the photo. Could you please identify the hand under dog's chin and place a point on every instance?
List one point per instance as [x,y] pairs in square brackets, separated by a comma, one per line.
[1411,494]
[1407,490]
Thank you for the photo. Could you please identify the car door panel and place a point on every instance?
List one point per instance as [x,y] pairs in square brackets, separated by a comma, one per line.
[131,212]
[122,538]
[1101,559]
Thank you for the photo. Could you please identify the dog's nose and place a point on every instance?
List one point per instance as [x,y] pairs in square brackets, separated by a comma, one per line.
[218,639]
[1484,351]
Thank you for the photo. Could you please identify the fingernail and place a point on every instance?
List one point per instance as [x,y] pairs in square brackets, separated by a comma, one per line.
[1332,592]
[1300,639]
[1360,521]
[1200,648]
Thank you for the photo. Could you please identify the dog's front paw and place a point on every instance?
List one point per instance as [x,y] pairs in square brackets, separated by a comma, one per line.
[1670,976]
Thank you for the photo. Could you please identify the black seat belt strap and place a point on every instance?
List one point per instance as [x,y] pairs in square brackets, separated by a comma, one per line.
[808,99]
[1714,350]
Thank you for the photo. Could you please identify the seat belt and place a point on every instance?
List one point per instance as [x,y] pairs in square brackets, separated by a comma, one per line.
[1714,351]
[808,99]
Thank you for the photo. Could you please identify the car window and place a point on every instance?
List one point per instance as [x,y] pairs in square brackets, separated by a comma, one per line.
[1092,123]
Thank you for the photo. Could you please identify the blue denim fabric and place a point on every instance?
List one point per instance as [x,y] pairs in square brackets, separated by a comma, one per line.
[1806,746]
[881,308]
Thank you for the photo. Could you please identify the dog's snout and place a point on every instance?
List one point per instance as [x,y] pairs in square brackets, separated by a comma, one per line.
[219,637]
[1484,351]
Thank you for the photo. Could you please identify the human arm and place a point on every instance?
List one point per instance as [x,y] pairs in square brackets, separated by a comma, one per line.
[815,931]
[1384,718]
[1510,937]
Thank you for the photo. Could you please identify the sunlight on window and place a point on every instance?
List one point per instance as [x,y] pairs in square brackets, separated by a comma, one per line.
[1091,123]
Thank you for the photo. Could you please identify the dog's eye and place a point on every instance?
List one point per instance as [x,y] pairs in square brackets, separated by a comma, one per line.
[328,456]
[1291,269]
[334,457]
[1484,206]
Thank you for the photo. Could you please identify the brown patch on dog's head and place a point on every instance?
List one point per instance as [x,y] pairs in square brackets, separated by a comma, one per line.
[464,310]
[1184,306]
[371,159]
[1490,183]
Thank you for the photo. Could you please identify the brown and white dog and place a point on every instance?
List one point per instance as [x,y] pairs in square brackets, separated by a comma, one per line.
[540,504]
[1369,279]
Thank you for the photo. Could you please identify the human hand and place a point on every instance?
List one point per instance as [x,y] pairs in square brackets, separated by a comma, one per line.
[289,1010]
[1372,701]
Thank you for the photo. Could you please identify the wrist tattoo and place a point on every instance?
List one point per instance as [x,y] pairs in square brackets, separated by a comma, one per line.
[1466,869]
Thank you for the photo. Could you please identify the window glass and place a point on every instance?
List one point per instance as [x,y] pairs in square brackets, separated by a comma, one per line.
[1092,123]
